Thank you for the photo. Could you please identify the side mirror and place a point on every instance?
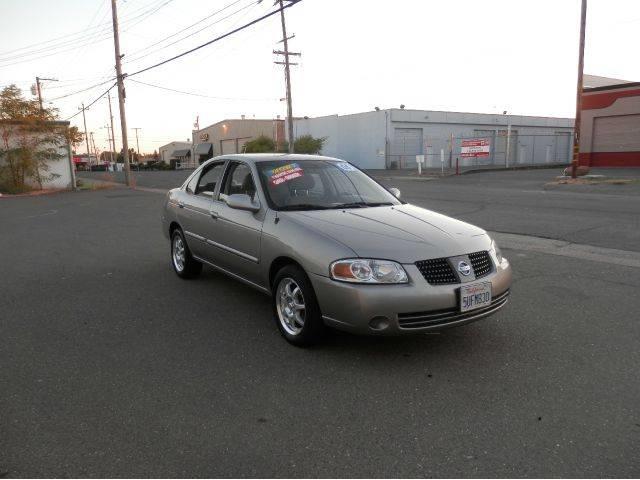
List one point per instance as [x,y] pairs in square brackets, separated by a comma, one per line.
[242,201]
[395,192]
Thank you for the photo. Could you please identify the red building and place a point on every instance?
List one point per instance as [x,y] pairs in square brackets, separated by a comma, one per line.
[610,126]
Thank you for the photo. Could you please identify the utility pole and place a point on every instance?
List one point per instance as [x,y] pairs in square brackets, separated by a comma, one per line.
[508,146]
[113,138]
[39,92]
[93,144]
[86,136]
[109,141]
[576,131]
[137,144]
[121,92]
[39,89]
[287,75]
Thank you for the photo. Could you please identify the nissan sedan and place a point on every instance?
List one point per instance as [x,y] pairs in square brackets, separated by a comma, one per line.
[332,247]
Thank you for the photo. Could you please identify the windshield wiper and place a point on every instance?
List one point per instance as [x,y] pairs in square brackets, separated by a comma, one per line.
[303,206]
[361,204]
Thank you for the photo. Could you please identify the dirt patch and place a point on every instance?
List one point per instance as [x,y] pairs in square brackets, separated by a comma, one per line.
[33,193]
[595,181]
[84,184]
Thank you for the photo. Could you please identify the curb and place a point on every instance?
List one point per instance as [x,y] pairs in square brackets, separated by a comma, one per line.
[35,193]
[548,166]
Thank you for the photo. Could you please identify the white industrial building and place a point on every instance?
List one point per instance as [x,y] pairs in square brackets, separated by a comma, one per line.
[58,171]
[393,138]
[177,154]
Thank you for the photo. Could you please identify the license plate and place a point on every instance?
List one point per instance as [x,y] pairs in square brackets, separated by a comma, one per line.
[476,295]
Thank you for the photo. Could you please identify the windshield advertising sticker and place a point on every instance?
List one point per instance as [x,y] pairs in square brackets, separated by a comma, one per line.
[345,167]
[285,173]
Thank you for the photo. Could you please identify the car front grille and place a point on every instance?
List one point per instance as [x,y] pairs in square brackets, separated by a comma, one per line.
[449,315]
[481,263]
[438,271]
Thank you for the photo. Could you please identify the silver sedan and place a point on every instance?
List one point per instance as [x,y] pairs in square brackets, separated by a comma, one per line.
[332,247]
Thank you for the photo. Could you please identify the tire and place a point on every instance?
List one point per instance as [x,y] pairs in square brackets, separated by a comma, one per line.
[292,290]
[183,262]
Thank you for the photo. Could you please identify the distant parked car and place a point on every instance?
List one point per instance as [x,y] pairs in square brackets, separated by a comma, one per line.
[332,247]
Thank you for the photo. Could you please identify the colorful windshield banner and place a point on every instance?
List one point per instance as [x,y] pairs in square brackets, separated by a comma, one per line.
[285,173]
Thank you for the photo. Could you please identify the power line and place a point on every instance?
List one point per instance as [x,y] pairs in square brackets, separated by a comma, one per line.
[81,91]
[71,45]
[132,54]
[98,98]
[200,94]
[80,34]
[139,57]
[217,39]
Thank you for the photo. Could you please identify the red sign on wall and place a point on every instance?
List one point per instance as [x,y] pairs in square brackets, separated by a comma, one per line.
[475,147]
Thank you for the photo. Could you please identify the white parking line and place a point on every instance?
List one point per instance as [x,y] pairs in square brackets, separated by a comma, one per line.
[567,249]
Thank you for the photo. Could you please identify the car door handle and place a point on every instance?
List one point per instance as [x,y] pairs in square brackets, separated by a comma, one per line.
[180,205]
[214,215]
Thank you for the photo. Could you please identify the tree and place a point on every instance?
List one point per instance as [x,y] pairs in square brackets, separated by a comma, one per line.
[133,156]
[308,144]
[305,144]
[261,144]
[74,136]
[29,140]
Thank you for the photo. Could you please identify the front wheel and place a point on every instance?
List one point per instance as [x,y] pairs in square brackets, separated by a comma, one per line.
[296,309]
[183,263]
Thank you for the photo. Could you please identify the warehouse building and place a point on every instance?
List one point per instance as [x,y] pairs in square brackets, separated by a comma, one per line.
[610,125]
[393,138]
[56,171]
[230,135]
[177,154]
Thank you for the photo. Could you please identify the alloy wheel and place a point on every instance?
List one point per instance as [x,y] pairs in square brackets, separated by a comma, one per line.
[178,253]
[290,306]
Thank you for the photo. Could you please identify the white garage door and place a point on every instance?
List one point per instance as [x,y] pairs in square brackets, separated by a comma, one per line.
[563,144]
[620,133]
[407,143]
[228,146]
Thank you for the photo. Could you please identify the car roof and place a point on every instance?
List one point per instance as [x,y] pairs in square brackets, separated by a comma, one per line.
[270,157]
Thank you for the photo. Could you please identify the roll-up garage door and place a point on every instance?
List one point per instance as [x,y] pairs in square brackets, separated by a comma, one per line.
[563,151]
[228,146]
[620,133]
[407,143]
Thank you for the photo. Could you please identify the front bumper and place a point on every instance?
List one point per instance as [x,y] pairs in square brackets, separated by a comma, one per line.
[399,309]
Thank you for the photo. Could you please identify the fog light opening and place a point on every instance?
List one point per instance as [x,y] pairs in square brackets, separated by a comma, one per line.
[379,323]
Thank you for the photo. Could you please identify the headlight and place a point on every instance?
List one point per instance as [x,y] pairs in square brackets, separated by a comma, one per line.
[364,270]
[496,248]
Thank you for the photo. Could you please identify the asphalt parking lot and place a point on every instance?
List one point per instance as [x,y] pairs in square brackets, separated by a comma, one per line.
[114,367]
[521,202]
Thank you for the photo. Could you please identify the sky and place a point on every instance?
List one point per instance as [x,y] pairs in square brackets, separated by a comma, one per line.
[460,55]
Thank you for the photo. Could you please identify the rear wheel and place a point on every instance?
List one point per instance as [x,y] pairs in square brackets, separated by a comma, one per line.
[295,306]
[183,263]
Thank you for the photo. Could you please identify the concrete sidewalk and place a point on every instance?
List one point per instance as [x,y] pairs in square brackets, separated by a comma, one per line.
[430,173]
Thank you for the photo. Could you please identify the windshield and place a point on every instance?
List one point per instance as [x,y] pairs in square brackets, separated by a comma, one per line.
[319,185]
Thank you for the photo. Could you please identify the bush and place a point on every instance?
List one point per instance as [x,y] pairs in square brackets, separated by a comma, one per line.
[7,186]
[308,144]
[261,144]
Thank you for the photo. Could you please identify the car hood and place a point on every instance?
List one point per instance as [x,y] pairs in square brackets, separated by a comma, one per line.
[404,233]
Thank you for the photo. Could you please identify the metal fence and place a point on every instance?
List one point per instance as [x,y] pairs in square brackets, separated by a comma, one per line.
[505,150]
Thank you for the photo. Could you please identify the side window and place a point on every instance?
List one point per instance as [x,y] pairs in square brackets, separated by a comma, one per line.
[238,180]
[191,186]
[209,179]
